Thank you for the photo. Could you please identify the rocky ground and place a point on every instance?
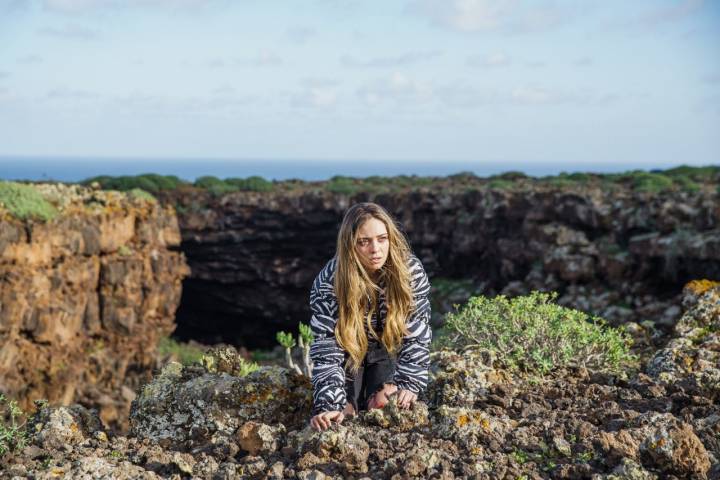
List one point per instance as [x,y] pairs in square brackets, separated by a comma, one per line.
[475,421]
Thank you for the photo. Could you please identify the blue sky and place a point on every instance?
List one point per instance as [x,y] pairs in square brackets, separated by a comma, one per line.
[577,83]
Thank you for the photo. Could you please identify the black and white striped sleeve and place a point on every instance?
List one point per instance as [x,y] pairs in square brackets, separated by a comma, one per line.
[328,375]
[413,361]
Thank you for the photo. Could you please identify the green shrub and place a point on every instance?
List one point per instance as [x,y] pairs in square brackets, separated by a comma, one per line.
[532,334]
[215,186]
[342,185]
[686,184]
[252,184]
[709,173]
[13,436]
[650,182]
[24,202]
[185,353]
[499,184]
[560,182]
[150,182]
[512,175]
[142,195]
[579,177]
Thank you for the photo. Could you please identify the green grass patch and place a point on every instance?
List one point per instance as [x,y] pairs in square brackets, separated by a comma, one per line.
[25,202]
[185,354]
[532,334]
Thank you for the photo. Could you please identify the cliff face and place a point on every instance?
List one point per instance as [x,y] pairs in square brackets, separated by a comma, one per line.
[85,297]
[618,253]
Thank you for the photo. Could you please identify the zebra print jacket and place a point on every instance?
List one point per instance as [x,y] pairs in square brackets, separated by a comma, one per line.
[329,375]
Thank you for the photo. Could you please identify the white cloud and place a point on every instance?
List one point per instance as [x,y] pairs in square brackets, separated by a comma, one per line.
[401,60]
[493,60]
[70,31]
[531,95]
[80,6]
[4,74]
[398,88]
[315,97]
[492,15]
[466,15]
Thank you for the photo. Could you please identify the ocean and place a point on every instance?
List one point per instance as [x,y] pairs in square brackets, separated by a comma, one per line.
[74,169]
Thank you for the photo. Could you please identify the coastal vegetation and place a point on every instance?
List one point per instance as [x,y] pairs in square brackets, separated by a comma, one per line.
[25,202]
[532,334]
[682,179]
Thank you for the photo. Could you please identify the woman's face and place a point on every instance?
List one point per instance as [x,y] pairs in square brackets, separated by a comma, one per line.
[373,244]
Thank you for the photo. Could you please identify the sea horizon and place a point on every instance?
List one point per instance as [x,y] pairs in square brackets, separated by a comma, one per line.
[76,169]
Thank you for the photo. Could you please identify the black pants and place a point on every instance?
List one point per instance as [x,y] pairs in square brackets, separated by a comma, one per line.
[377,368]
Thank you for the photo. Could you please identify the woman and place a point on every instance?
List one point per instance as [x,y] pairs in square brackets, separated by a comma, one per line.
[370,320]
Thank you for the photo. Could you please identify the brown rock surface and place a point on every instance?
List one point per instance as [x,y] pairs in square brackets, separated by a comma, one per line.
[84,299]
[619,253]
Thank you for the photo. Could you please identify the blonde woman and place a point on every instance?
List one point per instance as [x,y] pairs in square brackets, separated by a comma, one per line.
[370,319]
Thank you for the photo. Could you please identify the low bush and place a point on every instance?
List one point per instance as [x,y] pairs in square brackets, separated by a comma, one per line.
[650,182]
[499,184]
[142,195]
[531,334]
[25,202]
[13,436]
[686,184]
[150,182]
[710,173]
[215,186]
[342,185]
[252,184]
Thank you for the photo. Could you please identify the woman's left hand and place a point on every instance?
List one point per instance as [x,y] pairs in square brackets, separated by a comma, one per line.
[406,398]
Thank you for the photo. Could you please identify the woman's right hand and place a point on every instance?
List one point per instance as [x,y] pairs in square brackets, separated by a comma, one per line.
[323,420]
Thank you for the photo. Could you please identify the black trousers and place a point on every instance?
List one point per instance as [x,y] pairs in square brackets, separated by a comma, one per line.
[377,368]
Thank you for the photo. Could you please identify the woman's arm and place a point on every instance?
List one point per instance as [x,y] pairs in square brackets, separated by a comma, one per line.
[328,376]
[413,362]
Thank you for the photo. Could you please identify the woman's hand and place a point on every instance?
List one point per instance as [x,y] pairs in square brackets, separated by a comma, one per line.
[323,420]
[405,398]
[349,410]
[382,396]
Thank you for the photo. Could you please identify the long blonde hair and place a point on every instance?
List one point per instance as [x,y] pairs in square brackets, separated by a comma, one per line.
[357,293]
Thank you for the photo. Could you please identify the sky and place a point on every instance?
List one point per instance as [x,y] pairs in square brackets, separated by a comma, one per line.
[503,81]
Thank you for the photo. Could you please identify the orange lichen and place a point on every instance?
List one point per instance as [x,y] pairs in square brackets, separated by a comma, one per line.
[462,420]
[698,287]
